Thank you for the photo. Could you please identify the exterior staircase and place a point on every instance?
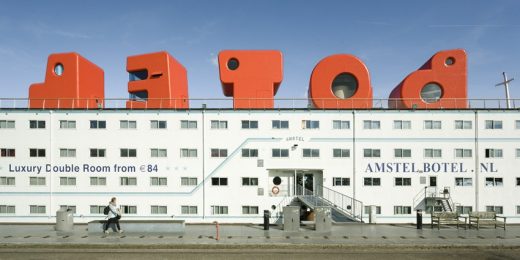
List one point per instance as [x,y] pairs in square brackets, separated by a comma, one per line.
[430,199]
[344,209]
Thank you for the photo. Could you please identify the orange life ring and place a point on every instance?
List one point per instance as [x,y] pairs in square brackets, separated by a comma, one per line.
[275,190]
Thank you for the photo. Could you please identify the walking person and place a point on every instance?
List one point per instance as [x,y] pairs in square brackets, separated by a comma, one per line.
[114,214]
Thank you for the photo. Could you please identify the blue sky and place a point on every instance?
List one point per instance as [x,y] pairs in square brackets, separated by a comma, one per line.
[393,38]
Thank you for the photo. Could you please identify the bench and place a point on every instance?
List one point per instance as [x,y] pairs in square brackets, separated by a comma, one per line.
[447,218]
[140,226]
[486,218]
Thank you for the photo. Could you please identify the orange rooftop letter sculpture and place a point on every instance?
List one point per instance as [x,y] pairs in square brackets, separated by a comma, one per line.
[71,81]
[340,81]
[157,81]
[440,83]
[251,77]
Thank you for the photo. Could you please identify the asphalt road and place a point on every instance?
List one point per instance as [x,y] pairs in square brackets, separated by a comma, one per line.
[271,254]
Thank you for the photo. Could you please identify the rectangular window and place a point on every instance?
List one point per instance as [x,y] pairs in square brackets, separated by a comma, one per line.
[432,124]
[127,152]
[97,209]
[215,152]
[189,210]
[158,124]
[493,124]
[402,210]
[310,124]
[280,124]
[37,209]
[280,153]
[157,210]
[34,152]
[372,181]
[378,210]
[340,153]
[339,124]
[9,124]
[64,152]
[129,209]
[463,124]
[517,124]
[37,181]
[188,181]
[94,152]
[158,181]
[492,181]
[7,209]
[463,153]
[98,124]
[249,210]
[402,153]
[68,181]
[463,182]
[517,210]
[517,152]
[496,209]
[311,153]
[219,210]
[67,124]
[156,152]
[68,207]
[128,181]
[249,152]
[432,153]
[371,124]
[98,181]
[403,181]
[188,124]
[36,124]
[494,153]
[218,124]
[7,152]
[127,124]
[517,181]
[188,153]
[246,181]
[216,181]
[402,124]
[7,181]
[340,181]
[249,124]
[371,153]
[464,209]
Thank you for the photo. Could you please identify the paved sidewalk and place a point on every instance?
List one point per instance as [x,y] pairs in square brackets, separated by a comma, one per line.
[351,235]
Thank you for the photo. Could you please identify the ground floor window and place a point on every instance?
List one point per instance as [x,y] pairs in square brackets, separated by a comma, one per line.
[189,210]
[219,210]
[68,207]
[402,210]
[37,209]
[517,210]
[496,209]
[337,181]
[464,209]
[7,209]
[249,210]
[129,209]
[378,210]
[96,209]
[154,209]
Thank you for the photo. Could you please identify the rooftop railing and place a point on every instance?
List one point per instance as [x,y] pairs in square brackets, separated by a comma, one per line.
[279,103]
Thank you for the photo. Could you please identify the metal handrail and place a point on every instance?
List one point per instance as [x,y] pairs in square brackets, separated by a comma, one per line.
[277,214]
[227,103]
[342,202]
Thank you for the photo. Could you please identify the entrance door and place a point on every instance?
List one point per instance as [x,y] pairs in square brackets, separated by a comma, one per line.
[304,183]
[433,181]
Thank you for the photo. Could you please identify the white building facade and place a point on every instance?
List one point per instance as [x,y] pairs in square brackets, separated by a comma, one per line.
[203,165]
